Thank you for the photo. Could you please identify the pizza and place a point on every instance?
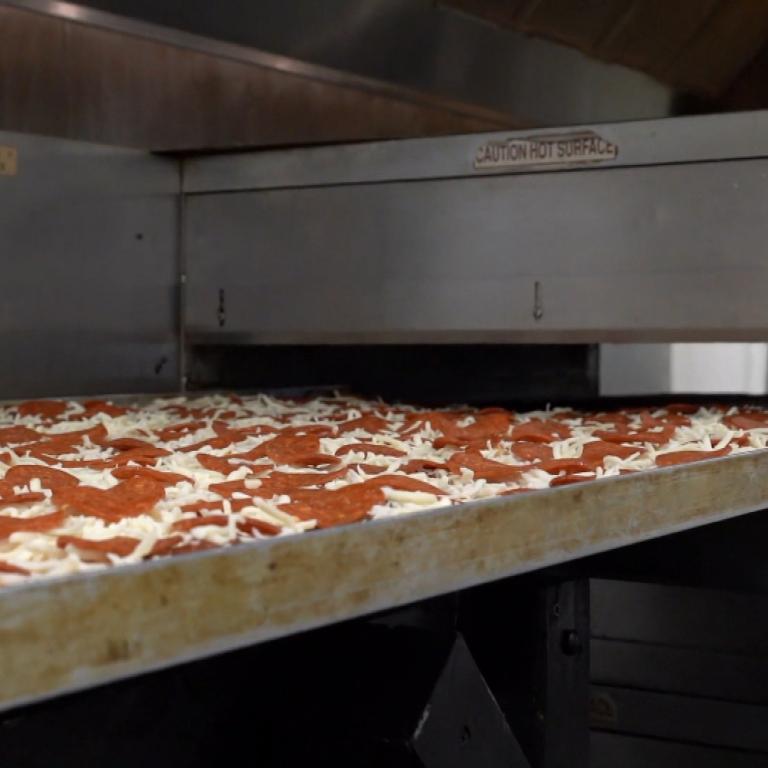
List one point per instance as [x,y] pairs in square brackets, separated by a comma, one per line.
[86,485]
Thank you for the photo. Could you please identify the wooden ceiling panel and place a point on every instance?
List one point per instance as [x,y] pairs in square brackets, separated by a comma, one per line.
[723,47]
[581,24]
[652,33]
[502,13]
[696,45]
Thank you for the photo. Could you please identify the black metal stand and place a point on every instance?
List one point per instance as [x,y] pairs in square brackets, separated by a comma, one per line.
[493,677]
[531,640]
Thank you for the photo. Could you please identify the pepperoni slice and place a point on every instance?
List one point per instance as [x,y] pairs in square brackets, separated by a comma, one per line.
[742,421]
[681,408]
[309,460]
[318,430]
[21,498]
[490,426]
[65,442]
[569,480]
[403,483]
[655,438]
[340,507]
[48,409]
[515,491]
[259,430]
[646,421]
[181,411]
[165,546]
[122,546]
[227,488]
[201,545]
[127,444]
[569,466]
[17,435]
[145,455]
[262,526]
[532,451]
[218,413]
[367,422]
[86,500]
[292,450]
[596,451]
[277,483]
[304,479]
[279,444]
[485,469]
[538,431]
[217,505]
[23,474]
[487,424]
[196,522]
[215,463]
[138,492]
[202,506]
[166,478]
[423,465]
[212,442]
[93,407]
[6,567]
[74,464]
[368,469]
[37,524]
[381,450]
[685,457]
[140,456]
[619,420]
[225,432]
[175,431]
[129,498]
[440,421]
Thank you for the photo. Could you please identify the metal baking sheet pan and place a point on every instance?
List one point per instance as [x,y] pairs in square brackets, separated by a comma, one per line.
[67,634]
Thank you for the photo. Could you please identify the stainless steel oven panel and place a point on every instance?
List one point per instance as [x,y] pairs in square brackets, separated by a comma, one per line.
[88,270]
[652,253]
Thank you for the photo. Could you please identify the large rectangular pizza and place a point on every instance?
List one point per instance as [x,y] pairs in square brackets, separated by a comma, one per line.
[87,485]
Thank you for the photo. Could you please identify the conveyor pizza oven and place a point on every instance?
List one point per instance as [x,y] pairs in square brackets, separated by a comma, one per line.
[474,267]
[470,268]
[480,267]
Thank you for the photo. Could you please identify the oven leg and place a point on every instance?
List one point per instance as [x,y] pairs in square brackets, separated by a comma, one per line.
[531,641]
[461,723]
[564,704]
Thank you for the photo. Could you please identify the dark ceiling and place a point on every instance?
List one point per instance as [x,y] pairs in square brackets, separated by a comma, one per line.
[188,74]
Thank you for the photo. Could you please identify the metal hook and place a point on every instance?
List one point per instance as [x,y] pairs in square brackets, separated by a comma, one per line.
[221,313]
[538,304]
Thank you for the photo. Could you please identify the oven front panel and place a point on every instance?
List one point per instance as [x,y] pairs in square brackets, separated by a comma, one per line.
[654,253]
[88,292]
